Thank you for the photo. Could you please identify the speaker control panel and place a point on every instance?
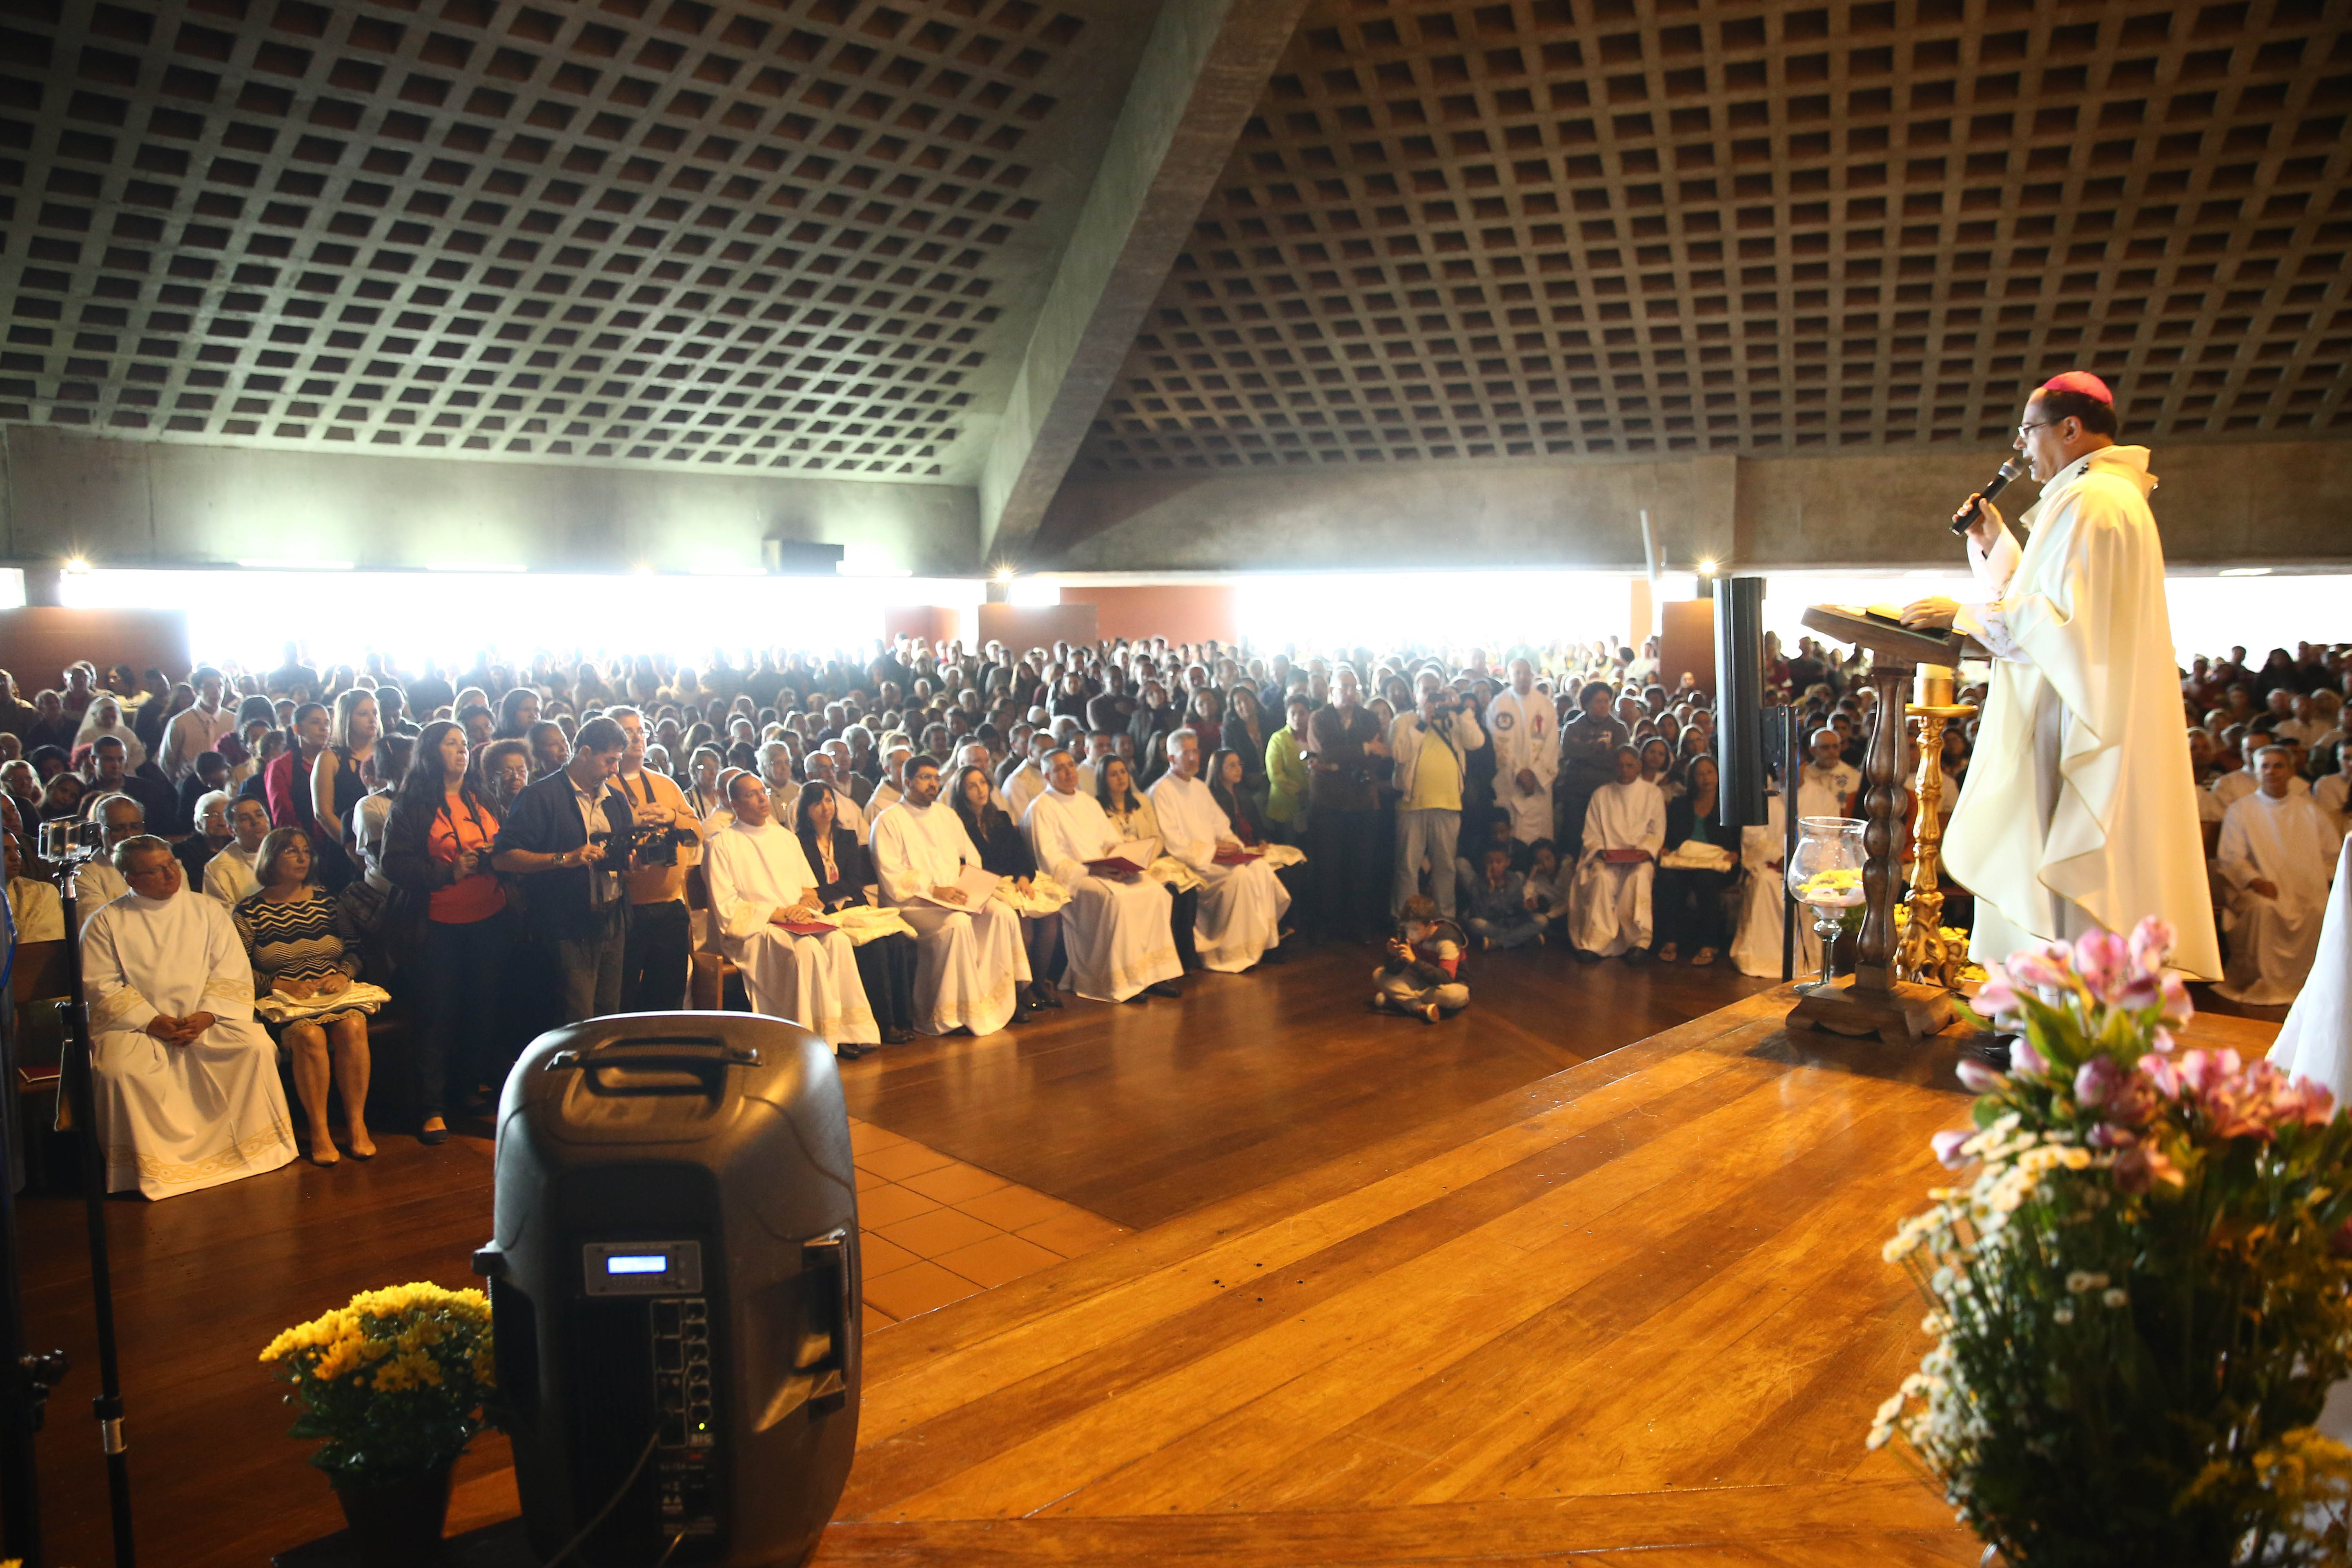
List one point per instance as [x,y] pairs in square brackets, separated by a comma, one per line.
[683,1456]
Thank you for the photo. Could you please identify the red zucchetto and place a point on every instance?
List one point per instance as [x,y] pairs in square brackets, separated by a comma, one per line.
[2080,381]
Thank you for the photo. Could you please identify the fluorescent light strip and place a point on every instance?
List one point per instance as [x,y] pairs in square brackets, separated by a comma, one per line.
[271,563]
[476,567]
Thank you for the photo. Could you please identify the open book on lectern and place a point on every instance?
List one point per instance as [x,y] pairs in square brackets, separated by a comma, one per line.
[1880,629]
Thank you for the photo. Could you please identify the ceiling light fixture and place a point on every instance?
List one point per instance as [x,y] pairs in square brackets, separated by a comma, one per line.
[2245,571]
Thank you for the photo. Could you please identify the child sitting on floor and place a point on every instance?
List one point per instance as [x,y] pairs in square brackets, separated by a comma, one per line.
[1418,977]
[1501,907]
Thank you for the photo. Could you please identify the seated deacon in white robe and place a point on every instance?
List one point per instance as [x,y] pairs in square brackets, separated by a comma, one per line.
[1115,928]
[98,884]
[1609,906]
[2277,852]
[33,904]
[759,883]
[970,962]
[1240,906]
[1826,785]
[228,876]
[1763,897]
[185,1081]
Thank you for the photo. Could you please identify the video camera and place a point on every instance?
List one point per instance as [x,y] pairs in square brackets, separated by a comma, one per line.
[650,843]
[71,839]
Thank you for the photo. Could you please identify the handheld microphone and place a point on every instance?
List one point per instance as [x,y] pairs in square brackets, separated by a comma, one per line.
[2010,468]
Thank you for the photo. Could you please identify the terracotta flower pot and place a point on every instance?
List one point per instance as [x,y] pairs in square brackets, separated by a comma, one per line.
[399,1521]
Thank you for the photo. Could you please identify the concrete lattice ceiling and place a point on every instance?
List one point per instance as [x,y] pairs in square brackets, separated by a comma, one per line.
[812,237]
[801,236]
[1588,227]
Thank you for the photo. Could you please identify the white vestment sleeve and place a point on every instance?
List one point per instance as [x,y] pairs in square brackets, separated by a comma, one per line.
[115,1002]
[228,983]
[2233,857]
[1988,622]
[893,866]
[742,913]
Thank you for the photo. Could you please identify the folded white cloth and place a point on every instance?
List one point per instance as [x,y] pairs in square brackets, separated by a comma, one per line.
[1691,855]
[866,923]
[357,997]
[1044,897]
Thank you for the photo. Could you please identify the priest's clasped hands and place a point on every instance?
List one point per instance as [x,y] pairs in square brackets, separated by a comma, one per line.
[1935,614]
[180,1031]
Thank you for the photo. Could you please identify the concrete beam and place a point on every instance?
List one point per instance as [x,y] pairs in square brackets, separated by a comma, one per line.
[1201,75]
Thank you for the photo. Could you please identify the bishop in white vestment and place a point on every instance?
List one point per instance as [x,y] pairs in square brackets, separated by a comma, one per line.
[1608,904]
[970,960]
[2315,1041]
[2078,812]
[760,881]
[2277,852]
[1526,731]
[1241,907]
[1114,928]
[185,1083]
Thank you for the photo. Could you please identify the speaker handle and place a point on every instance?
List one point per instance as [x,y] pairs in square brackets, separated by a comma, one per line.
[828,1367]
[654,1048]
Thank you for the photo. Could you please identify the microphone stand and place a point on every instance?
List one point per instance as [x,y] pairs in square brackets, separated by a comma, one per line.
[77,1081]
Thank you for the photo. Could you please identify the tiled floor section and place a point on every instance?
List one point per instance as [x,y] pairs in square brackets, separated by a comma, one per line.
[936,1229]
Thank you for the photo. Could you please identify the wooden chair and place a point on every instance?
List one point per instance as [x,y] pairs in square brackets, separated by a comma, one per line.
[36,988]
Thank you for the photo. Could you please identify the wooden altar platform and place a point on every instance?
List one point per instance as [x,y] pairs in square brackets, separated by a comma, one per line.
[1634,1304]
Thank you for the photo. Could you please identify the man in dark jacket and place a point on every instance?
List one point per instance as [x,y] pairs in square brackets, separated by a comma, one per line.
[567,837]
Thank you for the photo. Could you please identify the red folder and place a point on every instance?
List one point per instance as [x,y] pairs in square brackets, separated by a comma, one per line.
[1238,857]
[1113,866]
[809,928]
[1625,857]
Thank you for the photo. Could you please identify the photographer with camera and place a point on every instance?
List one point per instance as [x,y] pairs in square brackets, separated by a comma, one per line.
[669,841]
[568,835]
[1431,746]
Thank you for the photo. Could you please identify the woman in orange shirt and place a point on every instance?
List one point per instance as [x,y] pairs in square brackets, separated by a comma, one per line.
[437,848]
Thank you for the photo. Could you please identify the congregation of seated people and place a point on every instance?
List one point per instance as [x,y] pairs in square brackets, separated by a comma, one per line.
[938,838]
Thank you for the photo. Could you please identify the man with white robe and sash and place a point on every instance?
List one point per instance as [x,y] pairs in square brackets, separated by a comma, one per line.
[2078,812]
[1241,904]
[1526,731]
[970,962]
[185,1083]
[1115,928]
[2276,856]
[1624,829]
[761,883]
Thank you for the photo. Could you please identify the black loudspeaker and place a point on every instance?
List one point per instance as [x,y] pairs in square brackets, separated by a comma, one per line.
[674,1288]
[1740,711]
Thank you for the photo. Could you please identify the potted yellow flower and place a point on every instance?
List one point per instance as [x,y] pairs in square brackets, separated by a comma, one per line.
[394,1383]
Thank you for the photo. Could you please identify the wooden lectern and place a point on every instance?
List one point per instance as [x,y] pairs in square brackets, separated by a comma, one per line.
[1872,1001]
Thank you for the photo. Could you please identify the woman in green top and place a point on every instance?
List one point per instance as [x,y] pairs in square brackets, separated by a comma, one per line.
[1286,775]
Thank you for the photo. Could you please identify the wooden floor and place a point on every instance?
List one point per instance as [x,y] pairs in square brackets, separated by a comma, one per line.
[1396,1293]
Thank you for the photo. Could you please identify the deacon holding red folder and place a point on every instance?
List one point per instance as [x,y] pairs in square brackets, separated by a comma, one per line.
[1115,927]
[1242,901]
[1624,828]
[763,899]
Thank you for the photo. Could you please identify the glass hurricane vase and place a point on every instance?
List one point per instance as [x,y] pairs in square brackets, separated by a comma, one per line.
[1825,873]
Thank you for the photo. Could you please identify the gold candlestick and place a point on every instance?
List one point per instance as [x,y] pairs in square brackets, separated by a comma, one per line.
[1924,957]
